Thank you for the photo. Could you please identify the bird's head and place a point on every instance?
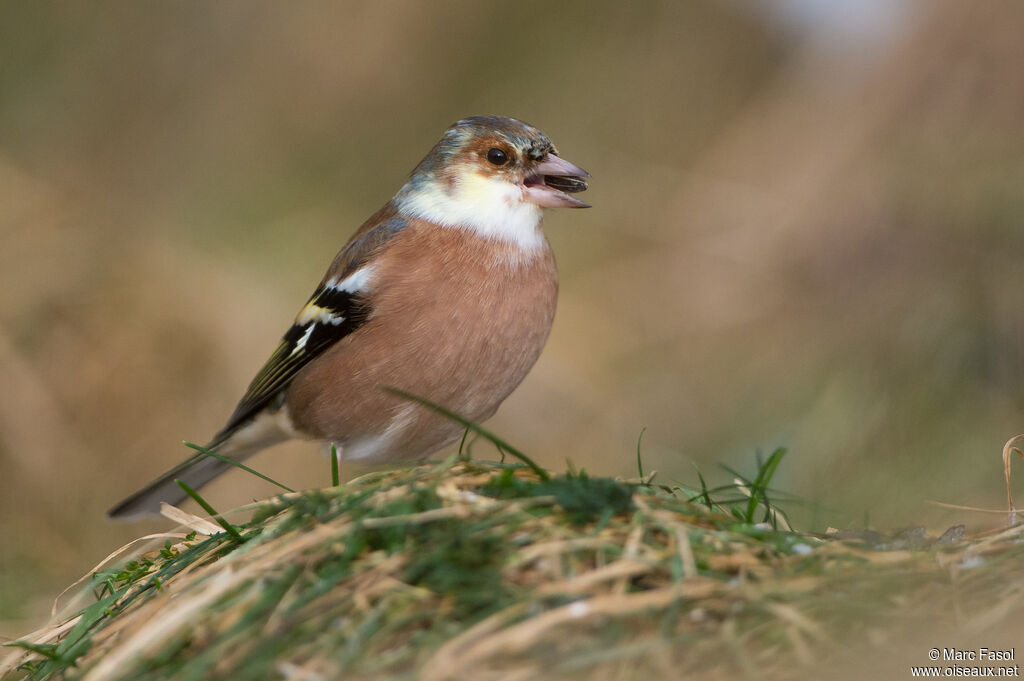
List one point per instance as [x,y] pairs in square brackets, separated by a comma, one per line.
[493,175]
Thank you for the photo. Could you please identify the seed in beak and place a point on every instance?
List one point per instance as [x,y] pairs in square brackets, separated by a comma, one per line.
[566,183]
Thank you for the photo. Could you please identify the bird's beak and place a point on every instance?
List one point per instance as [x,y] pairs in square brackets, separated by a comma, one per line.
[552,182]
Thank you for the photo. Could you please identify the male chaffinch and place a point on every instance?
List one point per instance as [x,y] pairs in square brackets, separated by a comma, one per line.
[447,292]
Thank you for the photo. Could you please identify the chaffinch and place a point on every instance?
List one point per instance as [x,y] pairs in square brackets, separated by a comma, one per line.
[447,292]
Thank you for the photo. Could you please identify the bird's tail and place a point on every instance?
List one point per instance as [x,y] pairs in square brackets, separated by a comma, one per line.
[196,472]
[237,442]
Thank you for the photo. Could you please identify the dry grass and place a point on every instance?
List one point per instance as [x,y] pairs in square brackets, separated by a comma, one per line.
[482,571]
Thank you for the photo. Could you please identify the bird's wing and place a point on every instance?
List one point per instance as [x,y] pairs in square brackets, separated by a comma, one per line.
[338,307]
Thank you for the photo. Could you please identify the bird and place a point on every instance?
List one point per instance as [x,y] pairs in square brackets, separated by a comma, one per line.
[448,292]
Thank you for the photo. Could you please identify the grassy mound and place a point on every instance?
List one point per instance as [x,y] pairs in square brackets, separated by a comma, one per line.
[488,571]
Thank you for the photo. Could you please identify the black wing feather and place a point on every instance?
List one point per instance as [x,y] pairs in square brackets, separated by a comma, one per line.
[289,358]
[304,342]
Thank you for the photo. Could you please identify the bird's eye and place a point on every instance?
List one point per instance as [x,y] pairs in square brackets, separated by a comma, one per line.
[496,156]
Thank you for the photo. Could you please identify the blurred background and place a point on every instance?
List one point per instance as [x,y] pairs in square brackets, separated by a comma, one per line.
[807,232]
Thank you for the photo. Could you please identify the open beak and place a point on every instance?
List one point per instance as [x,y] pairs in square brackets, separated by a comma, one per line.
[553,181]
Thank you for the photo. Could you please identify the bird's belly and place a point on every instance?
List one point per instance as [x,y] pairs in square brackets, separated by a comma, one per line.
[464,345]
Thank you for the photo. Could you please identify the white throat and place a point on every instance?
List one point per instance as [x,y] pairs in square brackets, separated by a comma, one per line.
[489,207]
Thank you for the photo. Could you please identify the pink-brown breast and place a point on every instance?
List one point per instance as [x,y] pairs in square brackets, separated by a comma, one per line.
[456,318]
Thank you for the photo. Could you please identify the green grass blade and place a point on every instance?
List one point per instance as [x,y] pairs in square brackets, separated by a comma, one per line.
[47,650]
[236,464]
[759,487]
[335,474]
[470,425]
[704,492]
[639,460]
[764,478]
[228,527]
